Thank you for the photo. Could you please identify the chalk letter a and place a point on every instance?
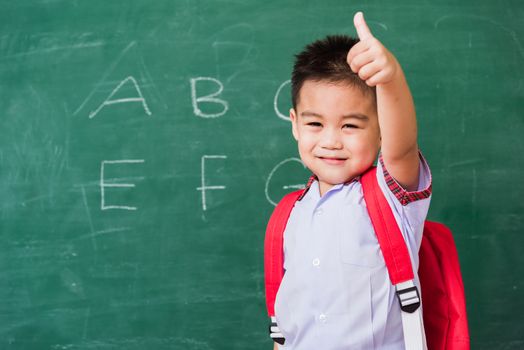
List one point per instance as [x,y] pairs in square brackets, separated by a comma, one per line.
[109,101]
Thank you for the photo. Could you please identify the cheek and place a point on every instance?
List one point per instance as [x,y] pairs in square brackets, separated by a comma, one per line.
[306,141]
[305,148]
[359,144]
[354,142]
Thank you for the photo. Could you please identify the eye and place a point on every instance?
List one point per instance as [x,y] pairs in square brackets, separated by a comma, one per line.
[314,124]
[351,126]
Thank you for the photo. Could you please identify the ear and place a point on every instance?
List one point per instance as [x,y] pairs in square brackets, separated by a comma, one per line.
[293,118]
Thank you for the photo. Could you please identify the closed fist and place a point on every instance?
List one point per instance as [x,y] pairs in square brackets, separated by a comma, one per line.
[369,58]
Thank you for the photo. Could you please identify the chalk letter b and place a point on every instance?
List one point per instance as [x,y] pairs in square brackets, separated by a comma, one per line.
[211,98]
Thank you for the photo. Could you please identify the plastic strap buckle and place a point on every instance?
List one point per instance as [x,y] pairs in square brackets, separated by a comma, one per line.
[274,332]
[409,298]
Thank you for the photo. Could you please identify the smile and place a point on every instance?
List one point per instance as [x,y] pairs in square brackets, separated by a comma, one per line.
[333,161]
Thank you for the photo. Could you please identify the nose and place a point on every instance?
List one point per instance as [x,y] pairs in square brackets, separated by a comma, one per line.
[330,139]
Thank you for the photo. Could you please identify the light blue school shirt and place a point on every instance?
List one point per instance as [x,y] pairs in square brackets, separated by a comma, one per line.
[336,293]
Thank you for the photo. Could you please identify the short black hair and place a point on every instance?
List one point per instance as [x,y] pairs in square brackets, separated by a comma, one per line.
[326,60]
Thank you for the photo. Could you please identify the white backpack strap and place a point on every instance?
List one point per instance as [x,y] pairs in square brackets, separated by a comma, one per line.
[412,322]
[274,332]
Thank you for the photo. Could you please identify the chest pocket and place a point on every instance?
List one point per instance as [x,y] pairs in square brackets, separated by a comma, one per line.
[358,244]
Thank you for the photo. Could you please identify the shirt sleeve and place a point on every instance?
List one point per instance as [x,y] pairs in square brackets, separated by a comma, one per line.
[405,197]
[409,208]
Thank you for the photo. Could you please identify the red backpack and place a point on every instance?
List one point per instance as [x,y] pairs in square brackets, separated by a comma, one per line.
[444,325]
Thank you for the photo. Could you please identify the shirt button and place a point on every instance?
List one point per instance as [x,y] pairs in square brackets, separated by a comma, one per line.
[319,211]
[316,262]
[322,318]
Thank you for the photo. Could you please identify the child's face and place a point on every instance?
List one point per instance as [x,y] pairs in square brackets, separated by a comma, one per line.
[337,131]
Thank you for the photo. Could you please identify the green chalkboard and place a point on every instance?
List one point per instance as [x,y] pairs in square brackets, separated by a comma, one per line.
[143,143]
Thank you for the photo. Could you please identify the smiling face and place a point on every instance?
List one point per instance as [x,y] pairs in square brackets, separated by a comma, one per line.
[336,127]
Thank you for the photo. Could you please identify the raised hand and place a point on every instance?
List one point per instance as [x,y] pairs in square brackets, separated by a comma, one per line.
[369,58]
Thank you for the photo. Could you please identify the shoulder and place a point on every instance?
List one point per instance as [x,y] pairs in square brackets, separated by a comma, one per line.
[286,204]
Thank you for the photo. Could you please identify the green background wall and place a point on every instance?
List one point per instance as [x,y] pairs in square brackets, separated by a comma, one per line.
[148,267]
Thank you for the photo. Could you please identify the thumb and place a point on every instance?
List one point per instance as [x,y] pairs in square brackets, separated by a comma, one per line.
[362,28]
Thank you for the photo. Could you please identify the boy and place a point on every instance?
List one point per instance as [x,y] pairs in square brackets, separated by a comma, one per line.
[350,99]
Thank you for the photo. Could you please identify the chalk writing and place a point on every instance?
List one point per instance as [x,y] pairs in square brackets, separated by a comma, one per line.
[104,184]
[275,101]
[268,181]
[108,101]
[211,98]
[203,188]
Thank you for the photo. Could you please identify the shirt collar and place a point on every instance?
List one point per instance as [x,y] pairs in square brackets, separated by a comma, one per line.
[314,178]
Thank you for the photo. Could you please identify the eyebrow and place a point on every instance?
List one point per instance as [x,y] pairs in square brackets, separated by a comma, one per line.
[358,116]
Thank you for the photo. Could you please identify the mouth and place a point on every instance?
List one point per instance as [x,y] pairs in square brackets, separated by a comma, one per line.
[333,160]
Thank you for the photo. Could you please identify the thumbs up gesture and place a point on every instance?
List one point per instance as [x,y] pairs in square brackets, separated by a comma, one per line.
[369,58]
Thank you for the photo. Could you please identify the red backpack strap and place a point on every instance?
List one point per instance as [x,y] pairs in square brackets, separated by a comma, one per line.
[274,248]
[398,262]
[389,237]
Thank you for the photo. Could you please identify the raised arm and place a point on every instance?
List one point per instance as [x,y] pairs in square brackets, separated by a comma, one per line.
[395,108]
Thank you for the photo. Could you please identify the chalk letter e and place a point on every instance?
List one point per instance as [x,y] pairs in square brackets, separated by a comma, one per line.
[103,184]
